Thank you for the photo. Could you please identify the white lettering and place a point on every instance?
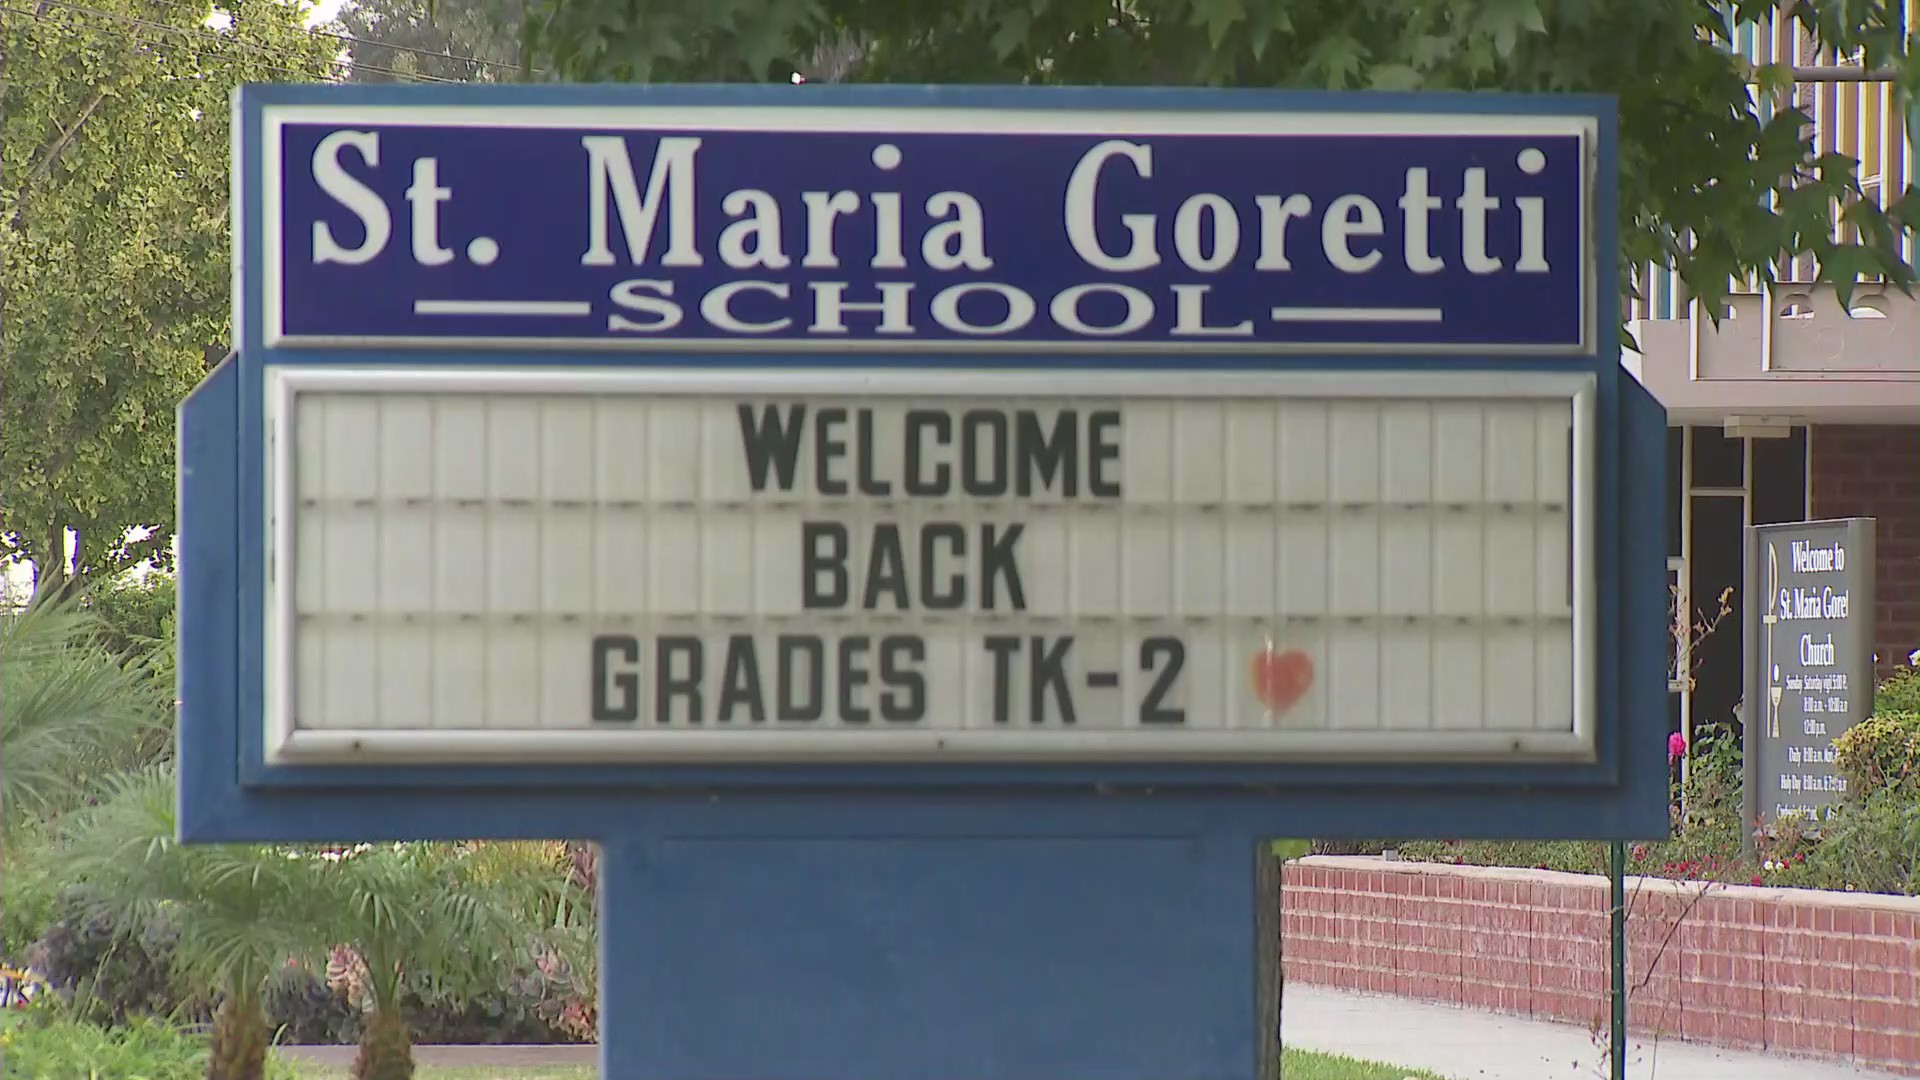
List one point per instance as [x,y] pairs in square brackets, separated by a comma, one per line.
[1816,653]
[761,230]
[823,209]
[425,196]
[1065,309]
[352,194]
[1340,226]
[945,308]
[1533,235]
[1082,189]
[610,171]
[1190,314]
[717,307]
[628,295]
[887,254]
[829,304]
[1224,224]
[1833,605]
[1808,559]
[1275,212]
[1474,204]
[1533,213]
[960,243]
[1415,207]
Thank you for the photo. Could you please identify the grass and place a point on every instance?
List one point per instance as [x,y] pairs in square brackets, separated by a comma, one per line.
[1307,1065]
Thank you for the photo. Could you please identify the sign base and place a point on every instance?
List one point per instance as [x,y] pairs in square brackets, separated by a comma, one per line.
[938,958]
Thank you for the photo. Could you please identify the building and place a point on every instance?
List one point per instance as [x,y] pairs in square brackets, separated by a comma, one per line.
[1791,408]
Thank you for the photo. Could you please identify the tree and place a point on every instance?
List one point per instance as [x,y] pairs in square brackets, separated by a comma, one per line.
[402,40]
[415,912]
[113,255]
[240,912]
[1715,182]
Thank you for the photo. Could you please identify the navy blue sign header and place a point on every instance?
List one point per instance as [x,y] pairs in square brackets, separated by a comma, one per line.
[912,228]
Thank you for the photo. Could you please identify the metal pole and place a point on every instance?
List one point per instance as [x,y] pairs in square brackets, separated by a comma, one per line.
[1617,916]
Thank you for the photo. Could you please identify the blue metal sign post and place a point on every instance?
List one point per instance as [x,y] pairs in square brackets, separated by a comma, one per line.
[928,536]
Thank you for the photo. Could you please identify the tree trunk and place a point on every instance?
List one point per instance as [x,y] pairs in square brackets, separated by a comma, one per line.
[239,1041]
[386,1051]
[50,569]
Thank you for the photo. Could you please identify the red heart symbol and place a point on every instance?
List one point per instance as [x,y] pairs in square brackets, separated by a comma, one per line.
[1280,678]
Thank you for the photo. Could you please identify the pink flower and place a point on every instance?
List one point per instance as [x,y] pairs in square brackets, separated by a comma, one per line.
[1676,747]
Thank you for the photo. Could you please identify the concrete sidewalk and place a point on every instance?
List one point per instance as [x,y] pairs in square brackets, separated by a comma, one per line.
[1470,1045]
[1456,1043]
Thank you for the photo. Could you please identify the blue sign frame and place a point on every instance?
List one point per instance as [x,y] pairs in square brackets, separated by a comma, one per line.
[717,234]
[223,515]
[729,865]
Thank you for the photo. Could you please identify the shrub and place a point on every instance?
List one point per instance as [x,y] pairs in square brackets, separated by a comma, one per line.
[1571,856]
[27,892]
[513,1014]
[1870,845]
[1881,753]
[302,1008]
[1899,694]
[542,1004]
[133,616]
[46,1043]
[65,1048]
[1350,847]
[108,969]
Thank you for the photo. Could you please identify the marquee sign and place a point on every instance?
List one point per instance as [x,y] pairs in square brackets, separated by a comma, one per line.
[867,228]
[569,565]
[927,536]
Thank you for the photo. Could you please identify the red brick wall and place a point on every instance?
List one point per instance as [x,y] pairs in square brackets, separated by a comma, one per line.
[1819,974]
[1856,471]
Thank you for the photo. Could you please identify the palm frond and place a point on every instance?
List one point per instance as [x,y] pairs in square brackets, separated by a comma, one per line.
[437,911]
[240,910]
[71,713]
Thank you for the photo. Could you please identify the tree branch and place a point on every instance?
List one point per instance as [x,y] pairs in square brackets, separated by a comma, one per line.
[53,154]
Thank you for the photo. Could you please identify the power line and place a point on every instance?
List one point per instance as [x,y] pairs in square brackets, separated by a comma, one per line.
[408,49]
[214,35]
[132,36]
[309,32]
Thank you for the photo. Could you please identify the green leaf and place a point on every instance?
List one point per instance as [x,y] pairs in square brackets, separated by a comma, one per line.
[1012,34]
[1265,20]
[1394,77]
[1842,267]
[1505,21]
[1291,849]
[1773,78]
[1337,58]
[1219,17]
